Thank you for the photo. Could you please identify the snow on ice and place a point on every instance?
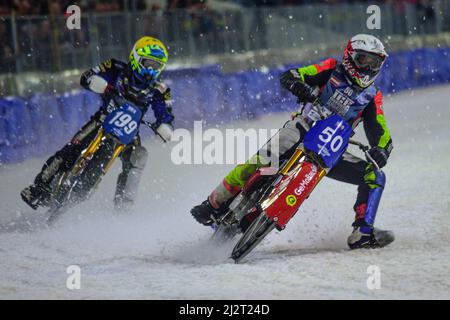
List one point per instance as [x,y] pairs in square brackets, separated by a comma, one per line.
[160,252]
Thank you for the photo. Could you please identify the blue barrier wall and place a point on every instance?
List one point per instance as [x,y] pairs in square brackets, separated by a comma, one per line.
[40,124]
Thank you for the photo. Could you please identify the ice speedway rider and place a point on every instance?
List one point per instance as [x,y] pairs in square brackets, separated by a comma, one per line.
[345,88]
[135,81]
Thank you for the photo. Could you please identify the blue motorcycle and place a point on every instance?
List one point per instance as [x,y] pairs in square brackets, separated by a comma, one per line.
[119,128]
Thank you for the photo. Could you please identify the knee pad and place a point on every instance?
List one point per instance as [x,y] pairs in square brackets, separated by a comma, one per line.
[240,174]
[222,193]
[374,178]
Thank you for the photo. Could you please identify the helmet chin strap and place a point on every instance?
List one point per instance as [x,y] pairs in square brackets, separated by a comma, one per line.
[348,78]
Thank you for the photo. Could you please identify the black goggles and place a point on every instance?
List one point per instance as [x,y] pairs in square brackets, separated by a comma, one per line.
[367,60]
[151,64]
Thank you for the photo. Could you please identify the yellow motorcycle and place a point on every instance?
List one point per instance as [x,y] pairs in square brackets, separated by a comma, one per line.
[119,129]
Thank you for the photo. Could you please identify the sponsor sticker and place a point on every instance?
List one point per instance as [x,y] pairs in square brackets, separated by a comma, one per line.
[291,200]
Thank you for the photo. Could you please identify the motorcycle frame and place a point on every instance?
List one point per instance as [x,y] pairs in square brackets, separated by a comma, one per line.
[295,163]
[92,148]
[88,153]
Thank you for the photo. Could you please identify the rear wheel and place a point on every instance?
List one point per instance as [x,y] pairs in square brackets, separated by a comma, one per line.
[231,223]
[259,228]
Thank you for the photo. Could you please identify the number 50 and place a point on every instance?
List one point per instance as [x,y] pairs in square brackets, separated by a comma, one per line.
[327,136]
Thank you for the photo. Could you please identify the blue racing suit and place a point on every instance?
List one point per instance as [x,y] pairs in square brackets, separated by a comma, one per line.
[121,82]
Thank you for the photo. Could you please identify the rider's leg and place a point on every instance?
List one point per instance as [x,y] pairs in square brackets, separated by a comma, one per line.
[370,183]
[39,192]
[134,157]
[235,180]
[279,147]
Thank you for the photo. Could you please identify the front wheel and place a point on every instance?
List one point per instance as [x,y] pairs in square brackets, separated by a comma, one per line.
[91,175]
[61,190]
[75,189]
[255,233]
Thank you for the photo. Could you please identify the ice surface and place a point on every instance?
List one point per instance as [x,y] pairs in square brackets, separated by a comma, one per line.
[160,252]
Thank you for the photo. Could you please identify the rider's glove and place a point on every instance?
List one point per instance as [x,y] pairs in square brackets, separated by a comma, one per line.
[162,111]
[101,86]
[165,117]
[167,95]
[295,114]
[165,131]
[97,84]
[110,90]
[302,91]
[380,156]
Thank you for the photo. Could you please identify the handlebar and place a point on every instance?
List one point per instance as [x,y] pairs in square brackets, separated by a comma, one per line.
[365,149]
[119,99]
[361,146]
[153,127]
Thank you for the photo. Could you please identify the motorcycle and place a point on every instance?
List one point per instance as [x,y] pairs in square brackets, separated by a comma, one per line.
[271,196]
[118,129]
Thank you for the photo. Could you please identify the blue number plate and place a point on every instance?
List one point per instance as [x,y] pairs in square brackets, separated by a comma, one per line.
[329,139]
[123,123]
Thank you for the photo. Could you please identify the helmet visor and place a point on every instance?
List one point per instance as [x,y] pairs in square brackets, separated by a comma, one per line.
[368,61]
[151,64]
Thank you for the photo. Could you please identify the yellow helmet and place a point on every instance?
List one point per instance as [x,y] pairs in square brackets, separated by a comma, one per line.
[148,58]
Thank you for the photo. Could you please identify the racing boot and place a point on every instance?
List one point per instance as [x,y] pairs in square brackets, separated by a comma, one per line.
[205,213]
[217,203]
[366,236]
[36,195]
[39,193]
[219,199]
[122,203]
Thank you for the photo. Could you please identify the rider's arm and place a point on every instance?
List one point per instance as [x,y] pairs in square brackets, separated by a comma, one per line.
[101,78]
[375,124]
[312,75]
[161,104]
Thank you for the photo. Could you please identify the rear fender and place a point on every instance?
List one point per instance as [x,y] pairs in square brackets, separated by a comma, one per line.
[257,176]
[251,192]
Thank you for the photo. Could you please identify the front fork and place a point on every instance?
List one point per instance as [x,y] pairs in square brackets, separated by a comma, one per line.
[239,207]
[299,177]
[92,148]
[296,158]
[64,185]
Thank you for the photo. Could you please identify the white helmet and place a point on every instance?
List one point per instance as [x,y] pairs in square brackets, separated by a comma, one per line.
[363,58]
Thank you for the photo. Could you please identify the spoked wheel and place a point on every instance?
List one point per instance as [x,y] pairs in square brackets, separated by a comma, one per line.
[225,232]
[61,191]
[230,225]
[93,172]
[259,228]
[78,188]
